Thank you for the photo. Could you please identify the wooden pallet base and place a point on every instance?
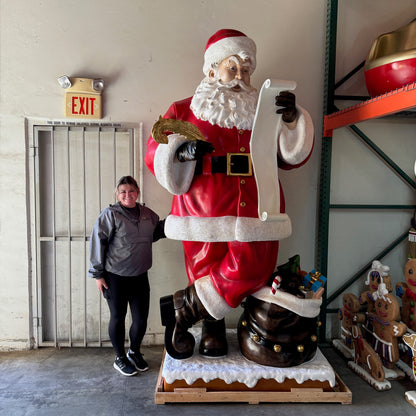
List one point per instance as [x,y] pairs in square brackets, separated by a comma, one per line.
[266,391]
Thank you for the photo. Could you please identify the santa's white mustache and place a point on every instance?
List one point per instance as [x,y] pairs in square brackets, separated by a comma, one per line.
[235,83]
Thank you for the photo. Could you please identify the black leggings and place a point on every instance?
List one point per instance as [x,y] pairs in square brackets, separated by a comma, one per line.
[123,291]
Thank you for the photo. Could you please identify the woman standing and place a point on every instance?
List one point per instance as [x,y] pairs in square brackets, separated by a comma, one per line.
[120,256]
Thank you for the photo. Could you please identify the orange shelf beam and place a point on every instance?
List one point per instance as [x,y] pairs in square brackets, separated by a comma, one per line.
[392,102]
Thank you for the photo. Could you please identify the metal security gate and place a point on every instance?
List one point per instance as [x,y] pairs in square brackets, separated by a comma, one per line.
[74,173]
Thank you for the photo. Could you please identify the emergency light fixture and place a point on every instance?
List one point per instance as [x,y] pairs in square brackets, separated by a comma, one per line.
[82,96]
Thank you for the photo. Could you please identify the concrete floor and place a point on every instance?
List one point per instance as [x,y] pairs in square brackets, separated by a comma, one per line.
[78,381]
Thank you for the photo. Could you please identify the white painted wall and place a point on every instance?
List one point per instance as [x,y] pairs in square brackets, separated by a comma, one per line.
[150,53]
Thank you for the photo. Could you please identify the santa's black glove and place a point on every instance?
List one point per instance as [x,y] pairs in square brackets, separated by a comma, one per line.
[287,100]
[193,150]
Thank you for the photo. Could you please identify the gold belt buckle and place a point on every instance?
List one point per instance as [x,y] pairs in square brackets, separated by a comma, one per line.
[230,164]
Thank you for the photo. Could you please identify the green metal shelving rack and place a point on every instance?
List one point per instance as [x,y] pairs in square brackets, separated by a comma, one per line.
[396,101]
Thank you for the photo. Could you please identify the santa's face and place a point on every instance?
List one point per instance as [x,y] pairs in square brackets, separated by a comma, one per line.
[225,97]
[232,68]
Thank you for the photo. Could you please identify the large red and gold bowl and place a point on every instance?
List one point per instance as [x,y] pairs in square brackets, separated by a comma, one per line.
[391,62]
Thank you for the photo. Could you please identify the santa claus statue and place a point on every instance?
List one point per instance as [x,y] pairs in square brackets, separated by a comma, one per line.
[230,252]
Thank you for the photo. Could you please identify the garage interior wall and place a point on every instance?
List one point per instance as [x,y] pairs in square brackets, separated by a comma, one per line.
[150,53]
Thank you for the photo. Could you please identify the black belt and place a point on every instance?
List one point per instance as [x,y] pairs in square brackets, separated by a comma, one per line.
[233,164]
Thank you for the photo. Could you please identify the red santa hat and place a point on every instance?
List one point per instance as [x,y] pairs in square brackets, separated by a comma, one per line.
[227,42]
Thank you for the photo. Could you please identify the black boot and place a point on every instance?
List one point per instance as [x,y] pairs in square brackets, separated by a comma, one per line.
[213,340]
[180,312]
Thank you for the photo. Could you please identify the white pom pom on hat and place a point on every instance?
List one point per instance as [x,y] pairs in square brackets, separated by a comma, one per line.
[227,42]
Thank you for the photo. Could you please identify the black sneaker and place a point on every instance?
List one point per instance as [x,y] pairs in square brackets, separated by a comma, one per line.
[138,361]
[123,365]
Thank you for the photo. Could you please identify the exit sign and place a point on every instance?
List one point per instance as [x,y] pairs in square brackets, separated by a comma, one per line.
[81,105]
[82,100]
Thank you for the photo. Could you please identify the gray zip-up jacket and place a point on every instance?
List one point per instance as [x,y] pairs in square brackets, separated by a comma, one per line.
[121,243]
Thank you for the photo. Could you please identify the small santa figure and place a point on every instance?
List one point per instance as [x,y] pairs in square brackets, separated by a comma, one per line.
[229,251]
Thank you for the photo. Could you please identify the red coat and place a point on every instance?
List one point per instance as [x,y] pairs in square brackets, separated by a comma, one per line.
[214,207]
[216,215]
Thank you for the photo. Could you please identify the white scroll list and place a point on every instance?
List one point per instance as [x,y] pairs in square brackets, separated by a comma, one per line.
[263,145]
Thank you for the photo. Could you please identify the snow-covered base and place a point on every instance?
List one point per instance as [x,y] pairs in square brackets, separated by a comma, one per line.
[407,370]
[236,368]
[411,397]
[393,373]
[378,385]
[345,351]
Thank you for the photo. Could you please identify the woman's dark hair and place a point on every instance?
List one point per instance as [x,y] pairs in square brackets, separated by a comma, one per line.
[128,180]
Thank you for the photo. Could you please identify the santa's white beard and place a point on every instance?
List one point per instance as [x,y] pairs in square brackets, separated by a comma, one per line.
[217,103]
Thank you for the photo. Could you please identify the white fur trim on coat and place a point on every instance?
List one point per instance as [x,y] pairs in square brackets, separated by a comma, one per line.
[173,175]
[213,302]
[308,308]
[295,145]
[214,229]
